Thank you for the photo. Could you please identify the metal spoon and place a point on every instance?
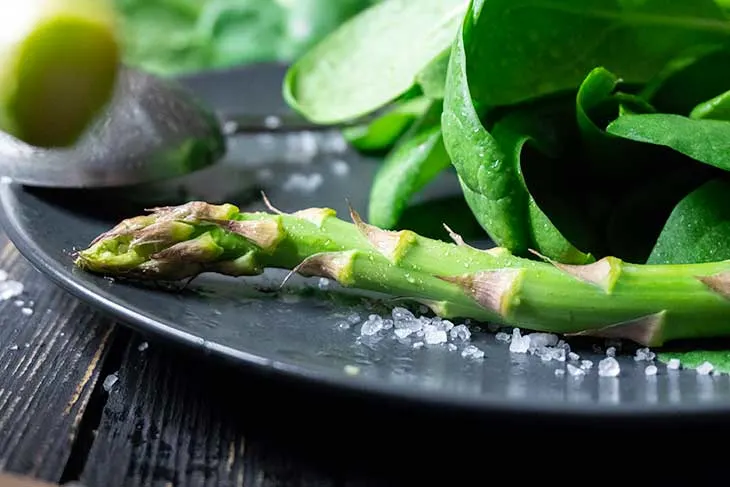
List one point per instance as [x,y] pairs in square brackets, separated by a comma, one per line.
[153,129]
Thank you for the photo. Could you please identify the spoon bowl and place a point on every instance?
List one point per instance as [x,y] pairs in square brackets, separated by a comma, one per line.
[152,129]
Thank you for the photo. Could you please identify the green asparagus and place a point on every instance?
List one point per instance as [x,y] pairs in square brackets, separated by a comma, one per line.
[648,304]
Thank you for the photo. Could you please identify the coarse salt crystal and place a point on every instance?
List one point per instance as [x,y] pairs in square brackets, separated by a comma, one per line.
[503,337]
[559,372]
[611,352]
[372,326]
[644,354]
[586,364]
[573,356]
[609,367]
[340,168]
[538,340]
[472,352]
[418,345]
[434,336]
[705,368]
[3,275]
[10,289]
[460,333]
[26,311]
[323,283]
[451,347]
[519,343]
[143,346]
[403,333]
[575,371]
[650,370]
[109,382]
[673,364]
[13,347]
[352,369]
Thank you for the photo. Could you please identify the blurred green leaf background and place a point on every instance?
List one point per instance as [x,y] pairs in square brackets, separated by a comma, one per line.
[171,37]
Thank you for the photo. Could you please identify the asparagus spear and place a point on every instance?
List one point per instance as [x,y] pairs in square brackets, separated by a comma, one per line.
[648,304]
[58,65]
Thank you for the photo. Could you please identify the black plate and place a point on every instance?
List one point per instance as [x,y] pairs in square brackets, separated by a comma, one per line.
[296,332]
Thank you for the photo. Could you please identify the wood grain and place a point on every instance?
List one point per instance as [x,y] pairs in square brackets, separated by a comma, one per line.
[173,420]
[49,365]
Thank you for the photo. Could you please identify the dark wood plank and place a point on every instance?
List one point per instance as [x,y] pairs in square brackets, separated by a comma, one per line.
[170,421]
[50,362]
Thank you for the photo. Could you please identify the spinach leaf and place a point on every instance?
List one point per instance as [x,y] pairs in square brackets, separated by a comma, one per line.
[716,109]
[698,230]
[638,216]
[381,134]
[698,74]
[417,159]
[720,359]
[523,49]
[706,141]
[364,64]
[432,79]
[241,32]
[489,166]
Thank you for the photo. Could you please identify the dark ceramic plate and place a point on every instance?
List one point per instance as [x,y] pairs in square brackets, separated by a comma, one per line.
[297,332]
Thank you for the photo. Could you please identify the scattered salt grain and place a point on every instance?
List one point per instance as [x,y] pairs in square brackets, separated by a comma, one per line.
[387,324]
[3,275]
[472,352]
[19,303]
[434,336]
[13,347]
[503,337]
[354,319]
[644,354]
[444,325]
[574,357]
[650,370]
[705,368]
[143,346]
[272,122]
[609,367]
[10,289]
[611,352]
[559,372]
[575,371]
[335,143]
[673,364]
[586,364]
[352,369]
[304,183]
[27,311]
[418,345]
[539,340]
[340,168]
[519,343]
[403,333]
[109,382]
[372,326]
[460,333]
[323,283]
[451,347]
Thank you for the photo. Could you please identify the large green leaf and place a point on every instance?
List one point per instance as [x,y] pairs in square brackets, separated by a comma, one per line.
[698,230]
[371,59]
[522,49]
[706,141]
[490,167]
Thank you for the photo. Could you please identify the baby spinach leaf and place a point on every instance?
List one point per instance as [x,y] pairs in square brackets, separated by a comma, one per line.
[523,49]
[417,159]
[364,64]
[637,218]
[697,75]
[706,141]
[381,134]
[698,229]
[716,109]
[432,79]
[489,165]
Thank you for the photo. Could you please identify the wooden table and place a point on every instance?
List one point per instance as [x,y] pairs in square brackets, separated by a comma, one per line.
[85,399]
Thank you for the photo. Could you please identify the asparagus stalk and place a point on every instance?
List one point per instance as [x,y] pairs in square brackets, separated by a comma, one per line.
[648,304]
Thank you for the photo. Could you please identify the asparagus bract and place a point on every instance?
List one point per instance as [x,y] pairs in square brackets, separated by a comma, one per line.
[648,304]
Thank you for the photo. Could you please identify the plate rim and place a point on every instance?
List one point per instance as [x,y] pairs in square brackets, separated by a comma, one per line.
[370,388]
